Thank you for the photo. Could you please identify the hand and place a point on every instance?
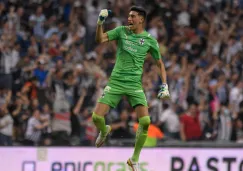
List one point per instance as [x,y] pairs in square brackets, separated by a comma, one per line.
[45,124]
[24,117]
[19,102]
[164,92]
[103,15]
[123,125]
[52,70]
[84,92]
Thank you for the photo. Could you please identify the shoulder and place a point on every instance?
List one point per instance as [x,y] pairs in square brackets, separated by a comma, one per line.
[33,120]
[149,36]
[30,121]
[117,121]
[121,28]
[183,117]
[151,39]
[166,112]
[117,31]
[9,117]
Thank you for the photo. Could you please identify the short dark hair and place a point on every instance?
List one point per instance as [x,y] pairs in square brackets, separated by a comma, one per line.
[140,10]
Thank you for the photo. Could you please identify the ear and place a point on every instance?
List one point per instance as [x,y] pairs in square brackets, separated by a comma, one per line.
[141,20]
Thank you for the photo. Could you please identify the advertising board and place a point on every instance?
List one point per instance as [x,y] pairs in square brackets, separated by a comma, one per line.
[114,159]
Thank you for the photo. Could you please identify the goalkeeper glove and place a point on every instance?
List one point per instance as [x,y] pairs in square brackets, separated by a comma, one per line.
[103,15]
[164,92]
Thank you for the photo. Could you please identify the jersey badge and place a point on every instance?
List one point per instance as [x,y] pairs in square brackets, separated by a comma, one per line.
[141,41]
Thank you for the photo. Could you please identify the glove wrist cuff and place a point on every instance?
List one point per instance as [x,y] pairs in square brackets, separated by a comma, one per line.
[100,22]
[164,85]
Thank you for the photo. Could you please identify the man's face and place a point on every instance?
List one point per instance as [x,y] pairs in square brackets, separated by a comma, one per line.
[241,85]
[41,66]
[39,10]
[37,114]
[193,109]
[1,113]
[20,11]
[134,20]
[3,110]
[124,115]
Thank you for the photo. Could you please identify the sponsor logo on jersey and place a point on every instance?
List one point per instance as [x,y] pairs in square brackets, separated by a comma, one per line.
[129,42]
[129,48]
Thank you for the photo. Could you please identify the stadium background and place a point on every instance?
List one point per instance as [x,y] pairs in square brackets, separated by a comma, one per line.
[52,71]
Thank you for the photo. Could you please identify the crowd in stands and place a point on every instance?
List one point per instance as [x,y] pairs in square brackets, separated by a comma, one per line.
[52,71]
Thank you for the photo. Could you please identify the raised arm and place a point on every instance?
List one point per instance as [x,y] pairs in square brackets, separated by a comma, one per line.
[79,103]
[101,37]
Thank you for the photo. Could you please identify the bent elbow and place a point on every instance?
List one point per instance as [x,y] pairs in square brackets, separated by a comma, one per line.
[99,41]
[158,64]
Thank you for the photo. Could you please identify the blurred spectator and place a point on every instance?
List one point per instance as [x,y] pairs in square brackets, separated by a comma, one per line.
[239,125]
[92,11]
[90,131]
[5,97]
[40,73]
[154,134]
[120,127]
[29,89]
[46,117]
[20,114]
[155,108]
[37,21]
[225,123]
[34,128]
[236,96]
[190,129]
[169,122]
[6,127]
[76,120]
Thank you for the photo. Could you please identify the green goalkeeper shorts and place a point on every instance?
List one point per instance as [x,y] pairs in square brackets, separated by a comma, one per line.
[115,90]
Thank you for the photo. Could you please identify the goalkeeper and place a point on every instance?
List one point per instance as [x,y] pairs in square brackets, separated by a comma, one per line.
[133,45]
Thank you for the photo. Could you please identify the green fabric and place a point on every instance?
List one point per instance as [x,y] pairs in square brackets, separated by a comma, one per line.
[115,89]
[132,50]
[141,136]
[99,122]
[150,142]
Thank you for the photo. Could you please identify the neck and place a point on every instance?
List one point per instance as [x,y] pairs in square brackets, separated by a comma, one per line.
[138,30]
[191,114]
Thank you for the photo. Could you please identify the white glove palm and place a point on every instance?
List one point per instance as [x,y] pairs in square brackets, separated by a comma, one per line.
[103,15]
[164,92]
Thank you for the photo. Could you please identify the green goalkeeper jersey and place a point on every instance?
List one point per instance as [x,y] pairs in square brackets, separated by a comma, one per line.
[131,53]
